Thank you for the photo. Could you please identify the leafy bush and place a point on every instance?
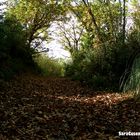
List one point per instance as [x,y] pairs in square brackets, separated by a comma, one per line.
[100,67]
[133,81]
[131,78]
[14,55]
[49,66]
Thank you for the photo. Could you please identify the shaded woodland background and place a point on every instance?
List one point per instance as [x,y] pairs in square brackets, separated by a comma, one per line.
[102,38]
[92,95]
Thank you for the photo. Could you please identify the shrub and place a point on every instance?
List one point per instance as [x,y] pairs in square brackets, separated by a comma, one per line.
[99,67]
[131,78]
[133,81]
[15,56]
[49,66]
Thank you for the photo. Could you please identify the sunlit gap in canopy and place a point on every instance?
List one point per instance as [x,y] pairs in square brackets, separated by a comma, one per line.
[56,50]
[2,5]
[56,47]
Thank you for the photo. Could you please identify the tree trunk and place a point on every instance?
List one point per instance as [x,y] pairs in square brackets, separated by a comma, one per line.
[124,21]
[93,20]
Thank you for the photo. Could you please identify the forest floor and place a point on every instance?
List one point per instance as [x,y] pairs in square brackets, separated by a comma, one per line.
[38,108]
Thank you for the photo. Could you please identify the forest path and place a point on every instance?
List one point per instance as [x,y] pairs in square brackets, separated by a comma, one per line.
[38,108]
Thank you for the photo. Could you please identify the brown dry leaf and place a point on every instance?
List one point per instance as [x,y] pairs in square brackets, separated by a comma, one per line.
[35,107]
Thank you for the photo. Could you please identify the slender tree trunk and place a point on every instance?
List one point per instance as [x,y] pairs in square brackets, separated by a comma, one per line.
[124,21]
[93,20]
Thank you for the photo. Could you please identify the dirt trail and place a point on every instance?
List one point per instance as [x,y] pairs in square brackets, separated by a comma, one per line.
[39,108]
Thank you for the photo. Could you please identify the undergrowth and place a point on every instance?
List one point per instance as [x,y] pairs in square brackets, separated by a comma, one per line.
[132,83]
[50,66]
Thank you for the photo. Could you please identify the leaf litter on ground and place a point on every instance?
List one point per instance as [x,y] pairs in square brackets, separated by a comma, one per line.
[39,108]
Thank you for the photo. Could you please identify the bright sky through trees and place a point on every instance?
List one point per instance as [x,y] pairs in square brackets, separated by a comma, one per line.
[56,50]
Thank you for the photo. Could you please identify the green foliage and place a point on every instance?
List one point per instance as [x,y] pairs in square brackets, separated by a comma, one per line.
[36,16]
[105,51]
[132,84]
[100,68]
[49,66]
[13,51]
[99,43]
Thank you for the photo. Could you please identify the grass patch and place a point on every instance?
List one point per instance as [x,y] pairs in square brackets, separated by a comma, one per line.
[132,83]
[50,66]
